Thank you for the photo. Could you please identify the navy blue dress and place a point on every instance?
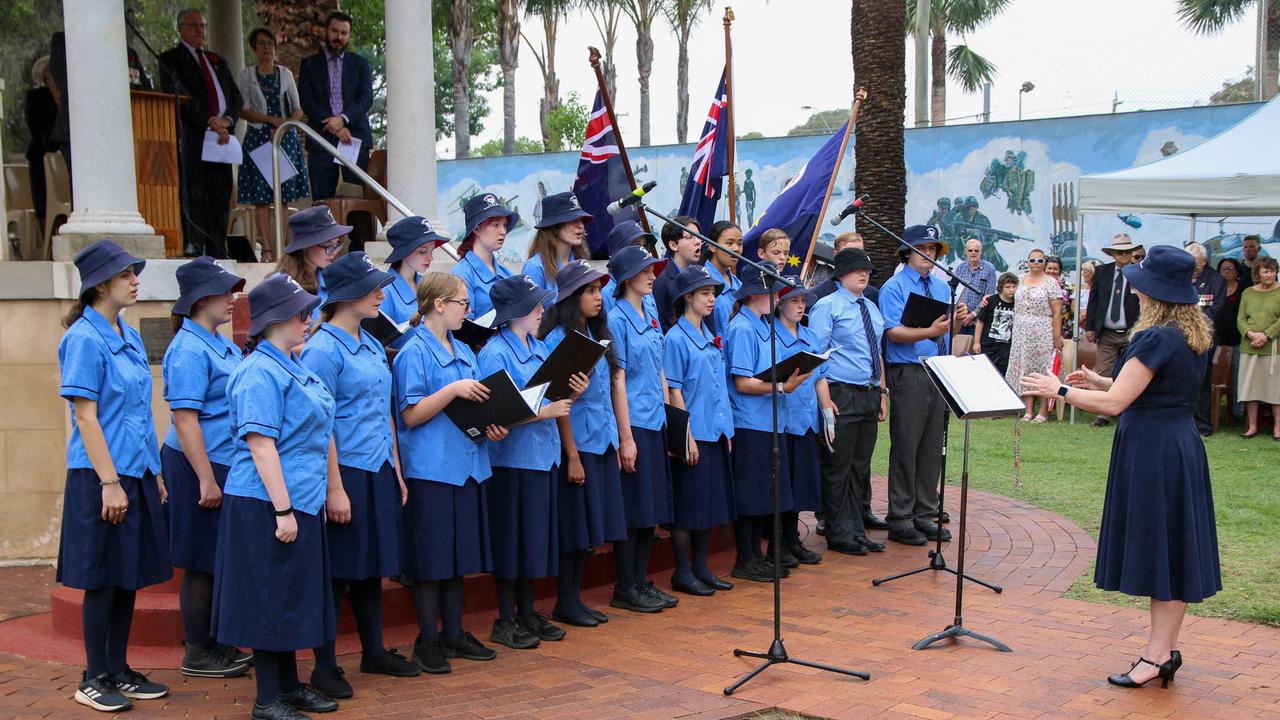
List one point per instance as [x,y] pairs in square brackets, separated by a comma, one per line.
[1158,537]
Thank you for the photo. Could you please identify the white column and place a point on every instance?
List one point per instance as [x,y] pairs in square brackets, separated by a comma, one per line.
[411,115]
[227,37]
[104,178]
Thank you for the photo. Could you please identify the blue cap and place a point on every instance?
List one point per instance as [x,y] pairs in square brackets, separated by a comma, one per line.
[276,299]
[574,275]
[561,208]
[1165,275]
[409,234]
[918,235]
[485,206]
[630,260]
[692,278]
[753,283]
[313,226]
[101,260]
[351,277]
[627,233]
[514,297]
[202,278]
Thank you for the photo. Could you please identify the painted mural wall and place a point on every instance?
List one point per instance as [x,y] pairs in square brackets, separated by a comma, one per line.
[992,181]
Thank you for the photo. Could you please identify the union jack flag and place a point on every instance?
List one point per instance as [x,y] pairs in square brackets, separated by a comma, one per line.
[602,178]
[710,164]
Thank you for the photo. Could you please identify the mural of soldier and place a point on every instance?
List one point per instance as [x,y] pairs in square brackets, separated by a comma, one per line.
[942,219]
[1012,176]
[537,204]
[749,191]
[684,177]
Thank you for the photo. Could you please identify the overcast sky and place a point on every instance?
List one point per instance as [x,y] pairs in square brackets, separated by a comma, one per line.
[789,54]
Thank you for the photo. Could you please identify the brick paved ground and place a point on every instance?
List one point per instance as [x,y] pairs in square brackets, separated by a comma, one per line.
[676,663]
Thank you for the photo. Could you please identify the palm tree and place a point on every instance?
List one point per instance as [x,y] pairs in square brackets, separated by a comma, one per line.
[606,14]
[551,11]
[1211,16]
[508,55]
[960,62]
[298,26]
[683,15]
[642,14]
[461,38]
[880,65]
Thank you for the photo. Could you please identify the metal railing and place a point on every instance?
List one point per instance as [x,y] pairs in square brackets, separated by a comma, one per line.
[382,192]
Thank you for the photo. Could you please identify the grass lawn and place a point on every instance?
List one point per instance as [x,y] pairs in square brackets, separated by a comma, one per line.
[1064,469]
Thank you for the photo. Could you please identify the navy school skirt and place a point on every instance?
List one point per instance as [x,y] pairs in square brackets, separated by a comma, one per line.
[753,472]
[369,545]
[446,530]
[522,523]
[270,595]
[806,472]
[193,530]
[592,513]
[646,493]
[93,553]
[702,494]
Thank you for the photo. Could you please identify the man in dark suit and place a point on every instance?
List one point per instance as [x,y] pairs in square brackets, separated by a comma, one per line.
[213,104]
[336,90]
[1113,308]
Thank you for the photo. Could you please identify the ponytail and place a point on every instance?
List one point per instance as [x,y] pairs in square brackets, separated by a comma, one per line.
[467,245]
[87,299]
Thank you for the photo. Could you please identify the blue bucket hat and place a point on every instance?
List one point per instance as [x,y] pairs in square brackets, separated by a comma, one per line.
[202,278]
[313,226]
[561,208]
[630,261]
[1165,275]
[351,277]
[101,260]
[693,278]
[514,297]
[485,206]
[753,283]
[627,233]
[276,299]
[918,235]
[574,275]
[409,234]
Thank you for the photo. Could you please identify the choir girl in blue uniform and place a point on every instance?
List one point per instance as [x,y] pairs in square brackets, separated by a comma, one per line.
[590,496]
[561,237]
[626,234]
[413,242]
[272,588]
[702,488]
[646,474]
[446,521]
[316,240]
[682,249]
[747,353]
[114,539]
[522,491]
[723,268]
[197,453]
[487,223]
[364,510]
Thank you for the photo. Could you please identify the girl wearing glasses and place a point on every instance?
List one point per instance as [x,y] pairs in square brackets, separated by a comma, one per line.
[317,240]
[1037,328]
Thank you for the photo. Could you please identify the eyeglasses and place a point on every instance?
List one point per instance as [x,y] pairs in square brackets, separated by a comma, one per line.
[332,248]
[973,250]
[1036,261]
[195,25]
[466,304]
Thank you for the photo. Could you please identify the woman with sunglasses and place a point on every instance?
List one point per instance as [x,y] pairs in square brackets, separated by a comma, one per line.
[1037,328]
[316,240]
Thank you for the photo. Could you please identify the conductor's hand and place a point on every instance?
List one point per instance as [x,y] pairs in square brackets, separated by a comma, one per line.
[795,381]
[471,390]
[1087,379]
[1039,384]
[287,528]
[496,433]
[338,506]
[578,383]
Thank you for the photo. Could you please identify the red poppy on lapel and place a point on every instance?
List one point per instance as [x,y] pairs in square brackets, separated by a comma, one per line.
[718,342]
[654,323]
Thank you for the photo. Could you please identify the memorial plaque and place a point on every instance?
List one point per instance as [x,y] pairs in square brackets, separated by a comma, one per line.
[157,333]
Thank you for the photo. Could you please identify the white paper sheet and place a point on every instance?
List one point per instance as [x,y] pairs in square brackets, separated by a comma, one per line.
[231,154]
[976,384]
[261,157]
[350,151]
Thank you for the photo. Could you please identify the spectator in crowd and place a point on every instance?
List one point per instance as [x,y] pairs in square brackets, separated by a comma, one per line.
[1259,323]
[1086,283]
[1209,286]
[214,104]
[270,98]
[40,112]
[336,87]
[60,135]
[1037,329]
[994,326]
[1251,249]
[1053,268]
[982,275]
[1226,332]
[1113,308]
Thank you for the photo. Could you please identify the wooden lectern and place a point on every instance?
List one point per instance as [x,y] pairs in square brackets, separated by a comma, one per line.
[155,154]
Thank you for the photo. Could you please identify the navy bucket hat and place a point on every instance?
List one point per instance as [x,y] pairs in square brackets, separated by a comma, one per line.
[627,233]
[694,278]
[753,283]
[202,278]
[409,234]
[514,297]
[918,235]
[561,208]
[276,299]
[1165,275]
[574,275]
[630,261]
[313,226]
[485,206]
[351,277]
[101,260]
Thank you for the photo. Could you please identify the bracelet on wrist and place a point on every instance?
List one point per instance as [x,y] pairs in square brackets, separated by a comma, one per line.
[105,483]
[284,512]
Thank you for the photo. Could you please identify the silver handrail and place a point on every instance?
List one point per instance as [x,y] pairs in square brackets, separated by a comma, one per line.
[382,192]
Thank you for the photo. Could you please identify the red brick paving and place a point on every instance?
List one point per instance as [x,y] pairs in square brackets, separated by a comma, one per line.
[675,664]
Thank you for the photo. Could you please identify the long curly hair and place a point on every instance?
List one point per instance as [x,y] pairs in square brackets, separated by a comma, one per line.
[1187,318]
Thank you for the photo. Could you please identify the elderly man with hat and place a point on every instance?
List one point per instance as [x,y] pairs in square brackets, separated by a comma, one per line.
[1113,308]
[916,423]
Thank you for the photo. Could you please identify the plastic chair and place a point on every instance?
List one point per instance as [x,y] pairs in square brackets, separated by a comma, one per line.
[57,192]
[369,201]
[20,211]
[1220,382]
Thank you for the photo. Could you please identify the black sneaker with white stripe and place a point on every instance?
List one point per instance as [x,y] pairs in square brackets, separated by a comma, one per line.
[133,684]
[213,662]
[100,693]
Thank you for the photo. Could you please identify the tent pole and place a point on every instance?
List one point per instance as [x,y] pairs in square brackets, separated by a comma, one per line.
[1193,227]
[1075,331]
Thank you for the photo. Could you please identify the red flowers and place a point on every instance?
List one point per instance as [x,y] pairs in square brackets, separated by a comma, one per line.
[654,323]
[718,342]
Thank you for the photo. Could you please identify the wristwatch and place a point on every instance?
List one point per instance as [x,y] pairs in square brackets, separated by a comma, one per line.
[1062,390]
[884,390]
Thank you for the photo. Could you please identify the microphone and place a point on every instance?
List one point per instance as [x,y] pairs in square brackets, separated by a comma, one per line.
[854,207]
[633,198]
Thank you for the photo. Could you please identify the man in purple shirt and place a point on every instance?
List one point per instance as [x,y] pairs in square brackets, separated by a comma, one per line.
[336,90]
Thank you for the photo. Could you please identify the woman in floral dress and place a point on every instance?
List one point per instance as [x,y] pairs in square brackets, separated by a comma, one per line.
[1037,328]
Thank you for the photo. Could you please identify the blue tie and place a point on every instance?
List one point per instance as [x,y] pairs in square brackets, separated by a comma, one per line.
[871,341]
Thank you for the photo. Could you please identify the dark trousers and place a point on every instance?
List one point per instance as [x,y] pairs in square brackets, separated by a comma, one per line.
[916,415]
[1111,345]
[1204,404]
[323,171]
[206,201]
[846,472]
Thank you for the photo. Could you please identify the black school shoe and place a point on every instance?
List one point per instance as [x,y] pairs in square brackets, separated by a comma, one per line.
[430,656]
[789,560]
[278,710]
[100,693]
[332,683]
[853,547]
[695,587]
[804,555]
[752,570]
[574,617]
[668,601]
[908,536]
[869,544]
[235,654]
[600,617]
[714,582]
[306,699]
[512,634]
[635,600]
[134,685]
[390,663]
[211,662]
[871,522]
[467,647]
[933,532]
[541,626]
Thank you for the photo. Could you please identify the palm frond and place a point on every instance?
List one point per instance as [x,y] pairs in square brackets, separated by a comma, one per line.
[1210,16]
[969,68]
[965,16]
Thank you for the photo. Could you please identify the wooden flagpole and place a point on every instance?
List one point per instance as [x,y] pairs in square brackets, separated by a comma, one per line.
[594,56]
[831,185]
[728,125]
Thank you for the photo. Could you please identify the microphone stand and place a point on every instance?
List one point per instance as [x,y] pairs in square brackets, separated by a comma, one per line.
[777,653]
[936,559]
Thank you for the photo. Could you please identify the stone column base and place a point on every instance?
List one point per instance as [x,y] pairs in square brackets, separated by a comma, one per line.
[65,247]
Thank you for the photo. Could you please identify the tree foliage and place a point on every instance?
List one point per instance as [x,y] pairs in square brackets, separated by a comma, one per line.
[821,123]
[1237,91]
[568,123]
[28,25]
[493,148]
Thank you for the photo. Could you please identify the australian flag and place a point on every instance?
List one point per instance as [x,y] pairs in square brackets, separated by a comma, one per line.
[710,164]
[796,209]
[602,179]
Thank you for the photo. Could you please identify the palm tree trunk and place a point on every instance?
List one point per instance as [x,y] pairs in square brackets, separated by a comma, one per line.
[682,87]
[644,68]
[550,83]
[291,22]
[508,56]
[879,64]
[938,77]
[461,37]
[1270,72]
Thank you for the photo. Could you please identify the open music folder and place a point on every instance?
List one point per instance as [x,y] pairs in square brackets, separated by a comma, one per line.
[973,387]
